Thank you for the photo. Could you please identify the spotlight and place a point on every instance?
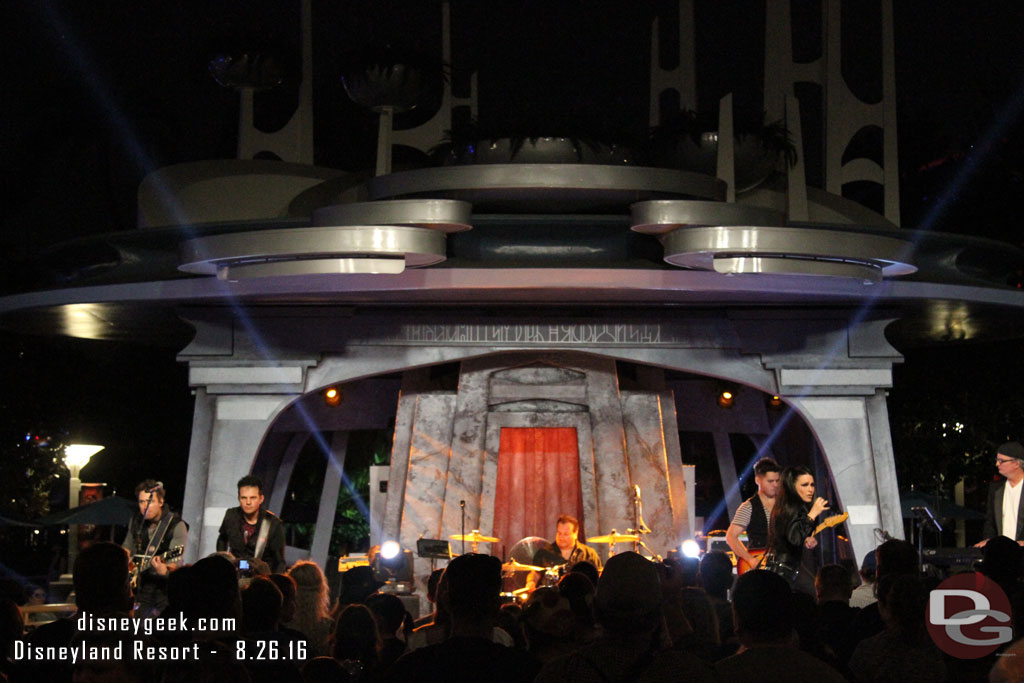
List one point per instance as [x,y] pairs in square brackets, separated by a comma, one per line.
[332,396]
[775,402]
[392,565]
[726,399]
[691,548]
[389,550]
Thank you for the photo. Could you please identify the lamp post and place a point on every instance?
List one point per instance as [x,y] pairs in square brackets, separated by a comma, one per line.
[76,456]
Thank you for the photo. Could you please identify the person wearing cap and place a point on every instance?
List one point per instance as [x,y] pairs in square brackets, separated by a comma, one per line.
[864,594]
[155,532]
[1004,515]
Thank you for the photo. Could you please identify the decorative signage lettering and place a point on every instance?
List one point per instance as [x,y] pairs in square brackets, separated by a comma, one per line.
[531,335]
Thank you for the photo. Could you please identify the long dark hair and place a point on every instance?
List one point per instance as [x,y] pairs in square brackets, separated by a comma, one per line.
[789,505]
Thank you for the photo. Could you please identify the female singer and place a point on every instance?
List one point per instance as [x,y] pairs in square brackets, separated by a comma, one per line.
[792,523]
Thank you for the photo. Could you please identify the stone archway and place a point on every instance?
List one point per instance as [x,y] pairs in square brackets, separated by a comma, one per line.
[833,376]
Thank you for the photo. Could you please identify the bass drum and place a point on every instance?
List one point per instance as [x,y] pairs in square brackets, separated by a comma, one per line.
[523,552]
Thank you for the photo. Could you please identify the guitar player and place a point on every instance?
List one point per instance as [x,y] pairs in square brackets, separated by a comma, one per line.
[753,515]
[155,531]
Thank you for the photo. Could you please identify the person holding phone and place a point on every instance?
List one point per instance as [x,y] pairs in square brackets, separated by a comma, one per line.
[251,533]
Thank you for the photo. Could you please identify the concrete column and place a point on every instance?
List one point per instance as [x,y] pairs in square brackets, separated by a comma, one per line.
[284,472]
[865,479]
[194,503]
[727,471]
[334,469]
[239,424]
[883,460]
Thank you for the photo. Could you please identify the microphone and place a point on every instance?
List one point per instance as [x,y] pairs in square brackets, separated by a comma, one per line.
[156,487]
[462,504]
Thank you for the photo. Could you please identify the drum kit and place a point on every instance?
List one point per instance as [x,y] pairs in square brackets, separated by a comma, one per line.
[522,553]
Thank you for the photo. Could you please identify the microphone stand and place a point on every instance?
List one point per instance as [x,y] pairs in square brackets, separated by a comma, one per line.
[142,527]
[639,527]
[923,517]
[462,504]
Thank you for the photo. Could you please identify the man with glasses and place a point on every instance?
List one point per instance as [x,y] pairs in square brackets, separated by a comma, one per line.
[1004,515]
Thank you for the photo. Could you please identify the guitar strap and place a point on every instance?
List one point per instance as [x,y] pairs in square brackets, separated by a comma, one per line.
[156,539]
[261,539]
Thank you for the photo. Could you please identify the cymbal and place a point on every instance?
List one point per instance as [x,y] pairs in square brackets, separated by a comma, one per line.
[513,566]
[474,537]
[614,538]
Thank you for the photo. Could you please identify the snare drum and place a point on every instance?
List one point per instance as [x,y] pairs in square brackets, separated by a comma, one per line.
[516,597]
[551,576]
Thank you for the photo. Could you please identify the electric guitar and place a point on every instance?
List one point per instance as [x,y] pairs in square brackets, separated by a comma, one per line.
[147,560]
[743,566]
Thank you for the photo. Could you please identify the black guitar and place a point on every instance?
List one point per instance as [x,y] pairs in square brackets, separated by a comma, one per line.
[146,560]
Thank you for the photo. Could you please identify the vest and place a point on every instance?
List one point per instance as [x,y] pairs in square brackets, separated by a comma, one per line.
[141,533]
[757,529]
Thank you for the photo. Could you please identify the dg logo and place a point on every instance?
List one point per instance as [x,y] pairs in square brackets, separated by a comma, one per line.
[968,616]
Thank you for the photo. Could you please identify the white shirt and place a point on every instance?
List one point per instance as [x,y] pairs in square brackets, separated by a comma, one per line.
[1011,503]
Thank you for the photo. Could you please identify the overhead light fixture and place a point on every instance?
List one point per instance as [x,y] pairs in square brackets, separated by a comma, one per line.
[333,396]
[726,399]
[775,402]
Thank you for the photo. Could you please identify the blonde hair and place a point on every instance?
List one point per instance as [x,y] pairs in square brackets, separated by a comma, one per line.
[312,596]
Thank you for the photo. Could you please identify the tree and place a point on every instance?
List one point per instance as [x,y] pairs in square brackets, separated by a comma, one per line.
[32,464]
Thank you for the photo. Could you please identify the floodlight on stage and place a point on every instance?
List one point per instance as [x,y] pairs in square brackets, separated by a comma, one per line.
[726,399]
[394,567]
[691,548]
[389,550]
[775,402]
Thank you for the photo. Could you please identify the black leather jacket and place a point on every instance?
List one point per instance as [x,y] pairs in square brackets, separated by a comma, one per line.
[789,550]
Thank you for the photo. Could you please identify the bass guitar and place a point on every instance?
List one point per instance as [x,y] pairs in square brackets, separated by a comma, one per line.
[743,566]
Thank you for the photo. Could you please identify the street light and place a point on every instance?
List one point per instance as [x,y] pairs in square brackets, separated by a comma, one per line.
[76,456]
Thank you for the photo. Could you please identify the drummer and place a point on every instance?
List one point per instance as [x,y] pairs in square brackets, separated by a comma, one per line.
[566,550]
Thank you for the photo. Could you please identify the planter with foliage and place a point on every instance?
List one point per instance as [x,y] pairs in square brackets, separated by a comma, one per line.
[471,143]
[688,140]
[386,76]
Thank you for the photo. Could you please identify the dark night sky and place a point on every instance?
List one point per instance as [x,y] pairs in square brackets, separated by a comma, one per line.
[97,94]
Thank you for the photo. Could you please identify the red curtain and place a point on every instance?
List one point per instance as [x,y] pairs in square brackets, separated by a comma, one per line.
[538,480]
